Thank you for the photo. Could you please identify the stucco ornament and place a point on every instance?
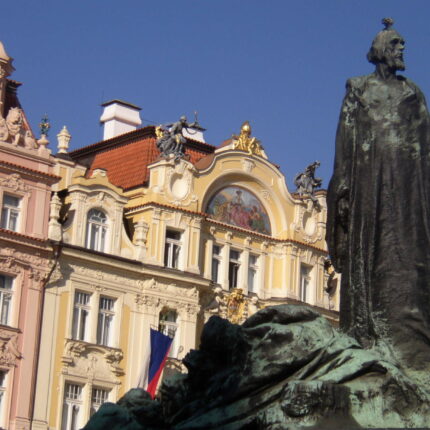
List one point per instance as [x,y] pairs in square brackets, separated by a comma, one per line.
[14,182]
[9,352]
[309,224]
[4,132]
[179,180]
[12,128]
[216,305]
[79,359]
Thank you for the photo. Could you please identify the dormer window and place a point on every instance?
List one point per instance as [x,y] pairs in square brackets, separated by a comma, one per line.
[96,230]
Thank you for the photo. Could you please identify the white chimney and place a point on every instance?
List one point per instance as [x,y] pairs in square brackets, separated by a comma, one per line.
[119,117]
[195,133]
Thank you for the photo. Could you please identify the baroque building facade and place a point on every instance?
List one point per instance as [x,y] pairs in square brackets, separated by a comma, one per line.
[26,177]
[103,243]
[145,241]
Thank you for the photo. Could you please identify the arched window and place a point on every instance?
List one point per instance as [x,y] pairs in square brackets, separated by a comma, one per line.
[96,230]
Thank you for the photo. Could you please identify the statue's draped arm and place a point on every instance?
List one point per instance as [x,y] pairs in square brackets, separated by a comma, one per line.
[338,204]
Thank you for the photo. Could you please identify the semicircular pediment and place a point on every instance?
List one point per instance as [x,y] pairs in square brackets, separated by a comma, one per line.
[239,207]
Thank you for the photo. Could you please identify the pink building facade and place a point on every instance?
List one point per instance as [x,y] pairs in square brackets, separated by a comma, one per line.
[26,256]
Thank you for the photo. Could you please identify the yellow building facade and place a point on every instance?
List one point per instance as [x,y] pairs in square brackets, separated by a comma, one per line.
[148,242]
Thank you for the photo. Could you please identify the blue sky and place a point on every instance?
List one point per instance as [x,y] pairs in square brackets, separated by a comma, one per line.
[281,64]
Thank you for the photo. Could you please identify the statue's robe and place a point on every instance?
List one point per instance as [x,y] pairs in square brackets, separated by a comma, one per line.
[378,229]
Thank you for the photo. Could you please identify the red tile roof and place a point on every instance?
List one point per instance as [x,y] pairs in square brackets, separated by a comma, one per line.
[127,165]
[126,157]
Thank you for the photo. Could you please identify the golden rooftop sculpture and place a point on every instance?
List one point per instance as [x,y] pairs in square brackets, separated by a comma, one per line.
[245,142]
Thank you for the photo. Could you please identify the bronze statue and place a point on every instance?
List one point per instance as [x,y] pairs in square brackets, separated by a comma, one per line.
[378,229]
[170,139]
[306,182]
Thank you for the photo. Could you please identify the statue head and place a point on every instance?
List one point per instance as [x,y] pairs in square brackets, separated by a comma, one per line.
[387,47]
[183,119]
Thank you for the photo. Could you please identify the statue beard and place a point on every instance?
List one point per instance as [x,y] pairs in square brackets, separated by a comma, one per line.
[395,62]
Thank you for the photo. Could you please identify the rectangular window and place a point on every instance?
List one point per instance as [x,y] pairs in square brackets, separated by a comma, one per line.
[252,272]
[105,321]
[98,397]
[168,325]
[97,237]
[10,212]
[3,375]
[96,230]
[81,310]
[304,282]
[216,263]
[172,249]
[6,283]
[233,268]
[72,407]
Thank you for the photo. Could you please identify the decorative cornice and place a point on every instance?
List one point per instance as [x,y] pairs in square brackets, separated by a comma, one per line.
[20,236]
[164,206]
[226,226]
[28,171]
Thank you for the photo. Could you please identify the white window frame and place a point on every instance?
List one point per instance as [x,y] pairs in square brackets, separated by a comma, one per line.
[72,401]
[233,281]
[4,376]
[6,298]
[7,210]
[105,320]
[173,249]
[253,273]
[170,328]
[81,308]
[305,283]
[99,395]
[216,263]
[97,230]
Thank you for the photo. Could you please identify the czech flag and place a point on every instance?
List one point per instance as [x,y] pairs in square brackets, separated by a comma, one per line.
[154,362]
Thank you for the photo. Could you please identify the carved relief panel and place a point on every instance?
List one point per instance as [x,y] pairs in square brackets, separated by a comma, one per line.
[179,181]
[92,361]
[309,223]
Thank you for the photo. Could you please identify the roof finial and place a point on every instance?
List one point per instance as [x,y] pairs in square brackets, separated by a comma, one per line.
[44,125]
[388,23]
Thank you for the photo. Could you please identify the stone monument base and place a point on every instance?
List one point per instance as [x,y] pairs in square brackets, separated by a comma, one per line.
[286,367]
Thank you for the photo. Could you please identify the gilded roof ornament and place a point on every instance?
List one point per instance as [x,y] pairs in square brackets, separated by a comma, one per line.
[44,126]
[245,142]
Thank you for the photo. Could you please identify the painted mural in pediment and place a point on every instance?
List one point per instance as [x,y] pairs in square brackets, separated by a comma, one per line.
[239,207]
